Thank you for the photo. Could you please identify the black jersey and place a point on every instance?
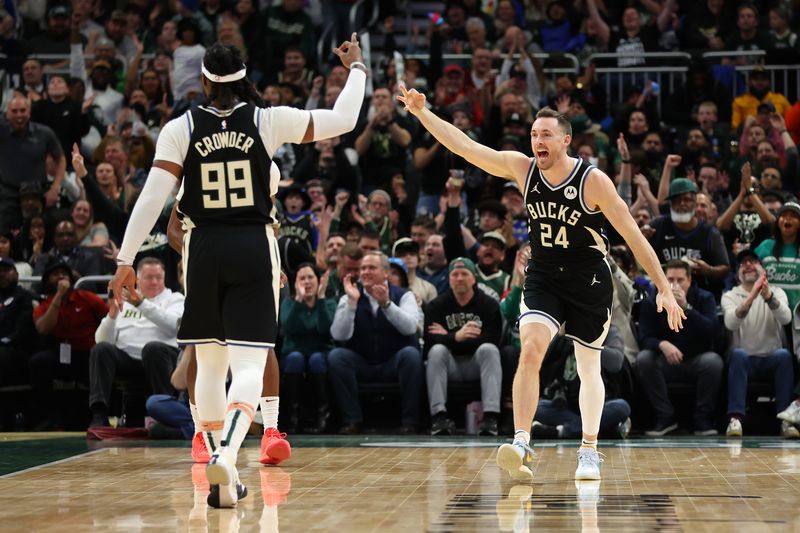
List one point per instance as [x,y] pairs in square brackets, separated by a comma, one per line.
[226,170]
[563,229]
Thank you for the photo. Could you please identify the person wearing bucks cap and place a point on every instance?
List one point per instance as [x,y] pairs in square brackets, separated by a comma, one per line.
[491,254]
[222,152]
[681,235]
[462,328]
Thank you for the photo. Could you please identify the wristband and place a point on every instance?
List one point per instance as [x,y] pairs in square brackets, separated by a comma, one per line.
[784,131]
[123,262]
[358,64]
[386,306]
[626,161]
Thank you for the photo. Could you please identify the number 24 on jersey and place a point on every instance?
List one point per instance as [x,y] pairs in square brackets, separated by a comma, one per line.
[546,235]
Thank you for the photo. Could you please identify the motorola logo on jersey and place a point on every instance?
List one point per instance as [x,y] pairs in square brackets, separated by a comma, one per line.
[564,213]
[570,192]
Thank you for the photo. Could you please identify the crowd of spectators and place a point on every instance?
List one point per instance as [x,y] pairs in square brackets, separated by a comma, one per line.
[405,262]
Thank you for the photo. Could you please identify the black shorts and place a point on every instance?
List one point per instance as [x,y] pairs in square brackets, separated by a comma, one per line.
[577,296]
[232,285]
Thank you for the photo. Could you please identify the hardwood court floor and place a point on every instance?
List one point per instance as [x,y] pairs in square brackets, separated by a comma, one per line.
[382,484]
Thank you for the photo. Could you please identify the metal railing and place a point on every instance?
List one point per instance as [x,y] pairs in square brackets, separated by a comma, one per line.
[671,69]
[47,59]
[573,68]
[784,78]
[80,284]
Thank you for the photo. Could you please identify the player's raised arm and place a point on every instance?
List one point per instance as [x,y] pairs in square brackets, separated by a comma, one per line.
[505,164]
[327,123]
[600,191]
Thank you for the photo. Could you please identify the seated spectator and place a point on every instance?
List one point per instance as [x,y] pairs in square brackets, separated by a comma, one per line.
[462,328]
[377,323]
[421,229]
[681,234]
[89,233]
[306,323]
[715,185]
[17,334]
[756,313]
[170,410]
[435,269]
[298,233]
[559,415]
[67,319]
[348,264]
[408,251]
[779,254]
[8,250]
[33,239]
[329,248]
[683,356]
[514,203]
[491,255]
[84,261]
[369,241]
[137,343]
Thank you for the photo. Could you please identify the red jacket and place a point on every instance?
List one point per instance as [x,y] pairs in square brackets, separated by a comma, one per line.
[78,318]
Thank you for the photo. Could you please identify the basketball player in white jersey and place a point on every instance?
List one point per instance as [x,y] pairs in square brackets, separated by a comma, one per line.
[231,261]
[568,282]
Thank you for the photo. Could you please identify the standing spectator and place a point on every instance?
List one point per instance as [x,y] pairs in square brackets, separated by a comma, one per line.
[306,322]
[24,146]
[56,39]
[138,342]
[462,327]
[188,58]
[68,119]
[33,85]
[491,254]
[680,356]
[758,92]
[68,319]
[634,38]
[287,24]
[747,220]
[17,334]
[117,30]
[382,140]
[756,314]
[779,254]
[707,25]
[377,323]
[748,36]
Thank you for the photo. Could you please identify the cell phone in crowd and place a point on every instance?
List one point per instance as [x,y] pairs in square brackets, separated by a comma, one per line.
[436,18]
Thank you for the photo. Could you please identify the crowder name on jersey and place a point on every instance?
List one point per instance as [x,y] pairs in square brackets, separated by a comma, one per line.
[553,210]
[223,139]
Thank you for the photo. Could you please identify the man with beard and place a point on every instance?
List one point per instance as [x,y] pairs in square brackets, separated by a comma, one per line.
[706,209]
[756,313]
[56,39]
[491,254]
[696,147]
[682,235]
[462,327]
[747,104]
[17,333]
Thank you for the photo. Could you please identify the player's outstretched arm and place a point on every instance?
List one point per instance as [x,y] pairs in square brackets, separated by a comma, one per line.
[600,192]
[505,164]
[161,181]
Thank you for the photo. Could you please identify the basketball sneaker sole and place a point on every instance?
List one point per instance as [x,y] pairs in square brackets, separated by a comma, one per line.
[508,459]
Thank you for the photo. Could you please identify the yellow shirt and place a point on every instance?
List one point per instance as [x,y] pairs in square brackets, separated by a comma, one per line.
[746,105]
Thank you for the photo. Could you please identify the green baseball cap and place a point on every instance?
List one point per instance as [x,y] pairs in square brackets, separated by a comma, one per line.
[462,262]
[681,186]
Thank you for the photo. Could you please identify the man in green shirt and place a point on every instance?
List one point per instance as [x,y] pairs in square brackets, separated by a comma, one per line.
[491,254]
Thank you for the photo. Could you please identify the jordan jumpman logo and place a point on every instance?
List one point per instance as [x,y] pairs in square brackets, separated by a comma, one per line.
[594,280]
[536,188]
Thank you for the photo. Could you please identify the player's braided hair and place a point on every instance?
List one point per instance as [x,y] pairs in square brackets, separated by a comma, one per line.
[222,60]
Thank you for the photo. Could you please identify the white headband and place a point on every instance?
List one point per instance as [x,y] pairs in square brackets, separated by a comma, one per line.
[236,76]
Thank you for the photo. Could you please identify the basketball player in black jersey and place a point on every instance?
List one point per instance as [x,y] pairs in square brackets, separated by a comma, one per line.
[568,282]
[230,254]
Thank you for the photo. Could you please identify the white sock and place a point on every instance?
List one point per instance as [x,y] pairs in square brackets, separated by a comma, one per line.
[212,369]
[523,435]
[592,394]
[195,417]
[247,368]
[269,411]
